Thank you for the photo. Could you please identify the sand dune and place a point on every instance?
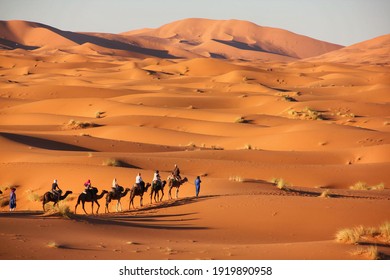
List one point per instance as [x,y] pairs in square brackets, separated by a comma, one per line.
[214,36]
[373,51]
[78,106]
[188,38]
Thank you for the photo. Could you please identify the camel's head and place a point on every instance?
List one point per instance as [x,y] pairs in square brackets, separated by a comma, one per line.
[147,186]
[185,180]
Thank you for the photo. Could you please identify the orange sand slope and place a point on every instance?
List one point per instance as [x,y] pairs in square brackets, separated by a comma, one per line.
[79,109]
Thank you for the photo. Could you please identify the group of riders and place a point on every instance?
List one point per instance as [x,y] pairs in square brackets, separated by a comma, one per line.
[139,183]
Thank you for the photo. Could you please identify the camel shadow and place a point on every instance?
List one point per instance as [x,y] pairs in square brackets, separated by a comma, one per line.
[175,202]
[166,222]
[139,219]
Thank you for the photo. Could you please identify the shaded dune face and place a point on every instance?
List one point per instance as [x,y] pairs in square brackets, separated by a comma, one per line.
[103,106]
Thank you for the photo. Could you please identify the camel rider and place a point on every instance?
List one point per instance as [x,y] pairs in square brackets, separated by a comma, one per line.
[87,186]
[115,186]
[55,189]
[176,173]
[138,181]
[156,178]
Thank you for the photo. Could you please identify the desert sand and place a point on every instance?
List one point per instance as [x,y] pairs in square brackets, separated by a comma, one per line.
[232,102]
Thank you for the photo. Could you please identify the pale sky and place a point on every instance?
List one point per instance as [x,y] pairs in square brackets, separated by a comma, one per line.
[342,22]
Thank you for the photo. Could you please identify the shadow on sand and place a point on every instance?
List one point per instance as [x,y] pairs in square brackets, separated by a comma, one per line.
[143,218]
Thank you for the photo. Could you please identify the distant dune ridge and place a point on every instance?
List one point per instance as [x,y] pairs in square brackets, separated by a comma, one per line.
[376,50]
[188,38]
[290,136]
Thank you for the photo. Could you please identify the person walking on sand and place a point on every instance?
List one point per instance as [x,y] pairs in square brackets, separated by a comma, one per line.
[12,200]
[197,185]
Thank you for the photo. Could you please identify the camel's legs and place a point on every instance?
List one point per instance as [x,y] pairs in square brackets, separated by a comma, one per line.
[97,211]
[162,195]
[82,203]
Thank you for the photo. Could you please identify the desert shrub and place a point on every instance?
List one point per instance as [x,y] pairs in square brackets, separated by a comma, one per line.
[364,186]
[289,98]
[113,162]
[325,194]
[248,147]
[380,186]
[64,210]
[241,120]
[353,235]
[306,114]
[349,235]
[214,147]
[61,209]
[32,196]
[191,145]
[280,183]
[72,124]
[99,114]
[371,252]
[384,231]
[359,186]
[236,179]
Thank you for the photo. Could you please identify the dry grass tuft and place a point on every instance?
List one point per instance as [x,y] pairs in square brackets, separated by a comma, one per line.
[356,234]
[113,162]
[33,196]
[241,120]
[280,183]
[306,114]
[349,236]
[99,114]
[362,186]
[325,194]
[384,231]
[236,179]
[72,124]
[370,252]
[53,245]
[61,209]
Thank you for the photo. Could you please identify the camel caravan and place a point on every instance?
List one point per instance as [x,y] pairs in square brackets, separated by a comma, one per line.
[91,194]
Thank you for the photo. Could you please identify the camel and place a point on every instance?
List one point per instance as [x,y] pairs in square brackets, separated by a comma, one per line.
[138,191]
[156,188]
[49,196]
[172,183]
[90,196]
[1,192]
[116,196]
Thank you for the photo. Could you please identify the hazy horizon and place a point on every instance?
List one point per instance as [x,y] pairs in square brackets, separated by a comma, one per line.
[341,22]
